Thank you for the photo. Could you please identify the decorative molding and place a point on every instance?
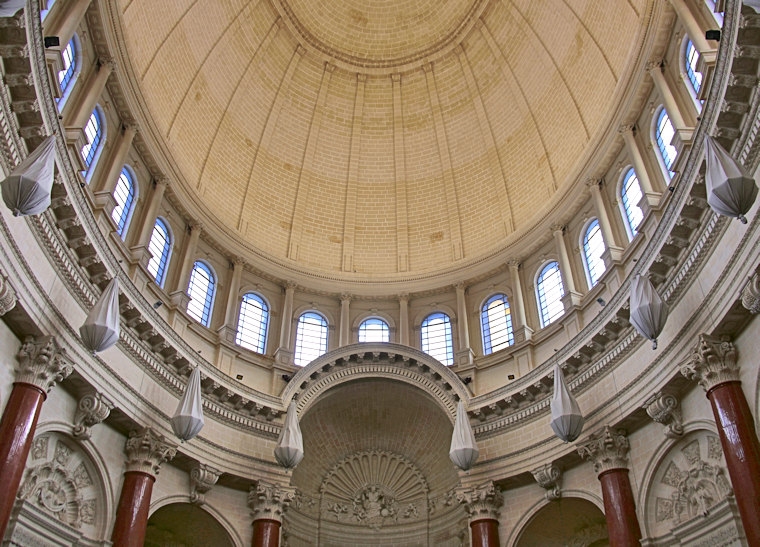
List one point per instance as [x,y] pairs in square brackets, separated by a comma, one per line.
[607,449]
[92,409]
[147,450]
[42,363]
[712,362]
[7,295]
[664,409]
[750,294]
[548,477]
[269,501]
[202,478]
[481,502]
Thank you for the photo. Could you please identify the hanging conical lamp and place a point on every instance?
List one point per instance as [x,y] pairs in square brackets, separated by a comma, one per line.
[754,4]
[26,191]
[187,421]
[567,420]
[648,311]
[464,450]
[731,191]
[9,8]
[101,328]
[289,449]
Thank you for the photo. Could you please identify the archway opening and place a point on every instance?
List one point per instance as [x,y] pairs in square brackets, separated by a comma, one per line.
[567,521]
[186,525]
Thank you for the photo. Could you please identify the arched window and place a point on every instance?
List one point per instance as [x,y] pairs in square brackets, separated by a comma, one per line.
[690,60]
[374,329]
[124,194]
[94,132]
[160,248]
[550,291]
[496,324]
[253,323]
[201,290]
[664,134]
[435,332]
[70,57]
[311,338]
[630,197]
[593,248]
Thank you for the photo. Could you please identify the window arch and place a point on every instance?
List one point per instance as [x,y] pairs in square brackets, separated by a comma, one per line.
[664,133]
[690,61]
[435,333]
[71,66]
[253,322]
[311,338]
[550,290]
[201,290]
[593,247]
[374,329]
[496,324]
[124,194]
[630,197]
[94,130]
[160,249]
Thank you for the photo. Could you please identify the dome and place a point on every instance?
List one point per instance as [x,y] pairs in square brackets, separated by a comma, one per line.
[378,141]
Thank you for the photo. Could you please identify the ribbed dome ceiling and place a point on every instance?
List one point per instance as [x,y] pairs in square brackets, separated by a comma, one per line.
[378,139]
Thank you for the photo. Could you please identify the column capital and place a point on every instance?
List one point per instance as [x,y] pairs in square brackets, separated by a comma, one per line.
[42,363]
[594,182]
[269,501]
[290,286]
[161,181]
[555,228]
[663,408]
[654,64]
[92,409]
[202,478]
[107,62]
[607,449]
[147,450]
[750,294]
[238,261]
[627,128]
[514,263]
[548,477]
[481,502]
[403,297]
[346,297]
[712,362]
[7,296]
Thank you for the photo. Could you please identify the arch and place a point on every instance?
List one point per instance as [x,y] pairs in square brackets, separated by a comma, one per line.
[160,248]
[125,194]
[496,323]
[253,322]
[437,337]
[95,132]
[630,195]
[202,290]
[376,360]
[591,504]
[663,134]
[312,333]
[174,517]
[592,247]
[549,292]
[72,67]
[374,329]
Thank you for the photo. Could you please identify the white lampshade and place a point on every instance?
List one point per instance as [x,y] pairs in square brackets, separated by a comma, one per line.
[187,421]
[289,449]
[464,450]
[101,328]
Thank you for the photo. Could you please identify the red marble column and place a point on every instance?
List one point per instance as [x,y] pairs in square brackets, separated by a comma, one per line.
[266,533]
[741,450]
[620,509]
[485,533]
[132,511]
[16,433]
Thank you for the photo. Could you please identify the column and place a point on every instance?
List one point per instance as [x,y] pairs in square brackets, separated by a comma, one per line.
[108,172]
[695,31]
[140,252]
[608,450]
[403,319]
[520,328]
[651,198]
[268,503]
[64,18]
[684,133]
[465,356]
[146,450]
[482,505]
[572,298]
[614,252]
[179,294]
[344,335]
[41,364]
[77,110]
[228,330]
[283,354]
[7,297]
[713,364]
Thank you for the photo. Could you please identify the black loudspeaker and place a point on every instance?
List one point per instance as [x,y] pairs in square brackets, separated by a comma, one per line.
[713,35]
[52,41]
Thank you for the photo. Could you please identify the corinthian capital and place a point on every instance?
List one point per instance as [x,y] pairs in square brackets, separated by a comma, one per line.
[42,363]
[482,502]
[269,501]
[147,450]
[606,449]
[712,362]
